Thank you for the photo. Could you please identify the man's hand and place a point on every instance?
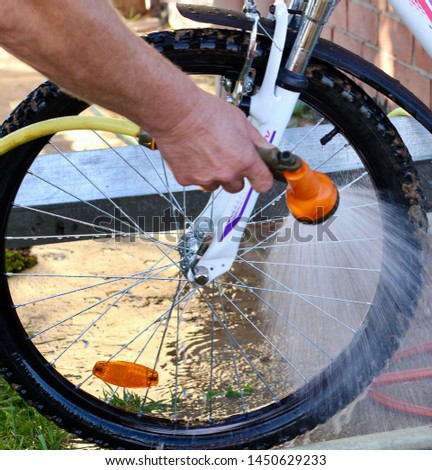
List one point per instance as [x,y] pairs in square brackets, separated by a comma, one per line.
[215,145]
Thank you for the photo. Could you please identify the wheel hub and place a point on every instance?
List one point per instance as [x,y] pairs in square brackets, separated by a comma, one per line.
[192,247]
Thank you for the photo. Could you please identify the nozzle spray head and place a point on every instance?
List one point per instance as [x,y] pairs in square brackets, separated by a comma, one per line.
[311,196]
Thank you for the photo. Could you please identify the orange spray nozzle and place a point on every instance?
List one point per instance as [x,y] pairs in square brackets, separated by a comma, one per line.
[311,196]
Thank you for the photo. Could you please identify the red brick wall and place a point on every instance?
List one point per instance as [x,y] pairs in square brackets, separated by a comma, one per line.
[372,29]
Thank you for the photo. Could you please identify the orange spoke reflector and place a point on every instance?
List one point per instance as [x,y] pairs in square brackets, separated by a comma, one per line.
[126,374]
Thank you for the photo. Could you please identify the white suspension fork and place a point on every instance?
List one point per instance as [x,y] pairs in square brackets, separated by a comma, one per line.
[272,107]
[271,111]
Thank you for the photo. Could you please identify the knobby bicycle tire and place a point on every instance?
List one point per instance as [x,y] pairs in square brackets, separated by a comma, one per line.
[387,161]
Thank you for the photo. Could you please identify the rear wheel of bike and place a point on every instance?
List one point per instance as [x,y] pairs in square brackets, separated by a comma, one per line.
[300,325]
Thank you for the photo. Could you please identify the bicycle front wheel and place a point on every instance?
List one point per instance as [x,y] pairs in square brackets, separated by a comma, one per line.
[300,325]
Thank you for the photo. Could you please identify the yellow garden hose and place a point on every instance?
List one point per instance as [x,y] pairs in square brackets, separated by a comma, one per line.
[96,111]
[398,112]
[312,197]
[69,123]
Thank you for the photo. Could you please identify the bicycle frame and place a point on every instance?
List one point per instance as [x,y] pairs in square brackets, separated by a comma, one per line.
[417,16]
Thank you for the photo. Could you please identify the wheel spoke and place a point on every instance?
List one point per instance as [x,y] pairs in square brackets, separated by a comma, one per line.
[155,324]
[302,297]
[243,353]
[353,182]
[294,293]
[314,266]
[87,309]
[83,201]
[244,251]
[288,322]
[170,199]
[231,347]
[270,343]
[168,315]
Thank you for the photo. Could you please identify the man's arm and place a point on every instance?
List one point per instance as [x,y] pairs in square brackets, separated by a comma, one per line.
[83,46]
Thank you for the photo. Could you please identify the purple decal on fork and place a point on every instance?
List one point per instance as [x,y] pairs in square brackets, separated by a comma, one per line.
[270,136]
[235,217]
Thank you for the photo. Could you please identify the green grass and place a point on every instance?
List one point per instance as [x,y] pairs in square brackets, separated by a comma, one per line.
[22,427]
[18,260]
[133,402]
